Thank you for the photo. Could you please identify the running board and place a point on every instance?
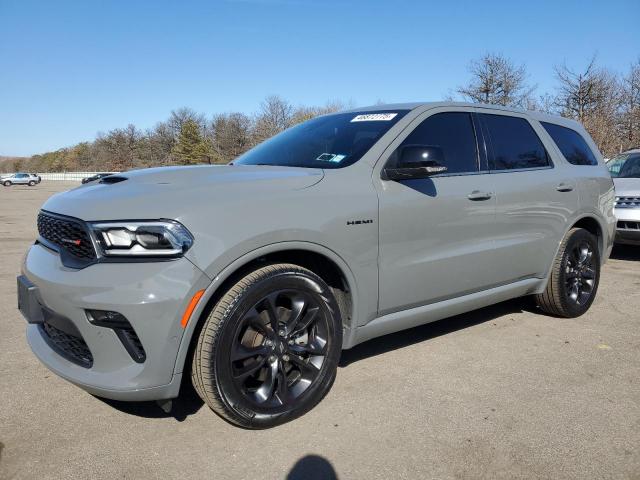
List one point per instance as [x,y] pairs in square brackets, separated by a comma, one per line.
[396,321]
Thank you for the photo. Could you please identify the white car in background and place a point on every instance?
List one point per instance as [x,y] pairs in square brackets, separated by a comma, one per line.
[625,170]
[20,179]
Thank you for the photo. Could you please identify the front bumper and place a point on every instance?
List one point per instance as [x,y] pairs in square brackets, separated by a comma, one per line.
[151,295]
[627,226]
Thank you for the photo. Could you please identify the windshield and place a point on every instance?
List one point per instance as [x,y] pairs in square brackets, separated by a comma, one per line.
[331,141]
[625,166]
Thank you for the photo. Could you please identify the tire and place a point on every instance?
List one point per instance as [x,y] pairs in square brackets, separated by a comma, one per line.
[260,360]
[7,183]
[575,275]
[32,183]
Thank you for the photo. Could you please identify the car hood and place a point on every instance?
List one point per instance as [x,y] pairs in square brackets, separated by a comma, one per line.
[172,192]
[627,187]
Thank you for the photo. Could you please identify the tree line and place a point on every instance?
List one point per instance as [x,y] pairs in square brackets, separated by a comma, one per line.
[607,103]
[185,138]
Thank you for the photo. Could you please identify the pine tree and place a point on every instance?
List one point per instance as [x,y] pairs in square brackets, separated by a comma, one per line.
[192,148]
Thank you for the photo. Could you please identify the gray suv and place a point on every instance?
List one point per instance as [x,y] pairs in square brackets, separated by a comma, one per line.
[250,278]
[19,179]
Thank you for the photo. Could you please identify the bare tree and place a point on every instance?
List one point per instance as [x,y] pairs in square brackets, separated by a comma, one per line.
[231,135]
[161,143]
[118,147]
[581,92]
[302,114]
[592,97]
[630,107]
[275,116]
[497,80]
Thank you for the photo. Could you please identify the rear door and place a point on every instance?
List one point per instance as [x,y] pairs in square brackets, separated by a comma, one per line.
[535,196]
[436,233]
[22,178]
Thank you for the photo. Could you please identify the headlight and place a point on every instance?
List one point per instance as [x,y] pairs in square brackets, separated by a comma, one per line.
[161,238]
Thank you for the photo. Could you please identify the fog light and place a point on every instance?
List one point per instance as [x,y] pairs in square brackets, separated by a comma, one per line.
[106,318]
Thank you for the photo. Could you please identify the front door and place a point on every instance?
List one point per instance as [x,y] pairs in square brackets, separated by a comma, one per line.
[436,234]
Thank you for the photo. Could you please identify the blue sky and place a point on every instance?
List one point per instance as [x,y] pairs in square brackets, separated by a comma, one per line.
[71,69]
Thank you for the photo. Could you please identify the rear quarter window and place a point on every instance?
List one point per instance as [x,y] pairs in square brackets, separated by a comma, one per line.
[571,144]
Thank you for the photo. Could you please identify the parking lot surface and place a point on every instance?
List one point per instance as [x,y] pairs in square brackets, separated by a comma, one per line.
[503,392]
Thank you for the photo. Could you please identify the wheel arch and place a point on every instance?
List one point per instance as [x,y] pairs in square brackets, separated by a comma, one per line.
[590,223]
[322,261]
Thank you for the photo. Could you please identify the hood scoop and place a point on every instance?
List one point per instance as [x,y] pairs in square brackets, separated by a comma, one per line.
[112,179]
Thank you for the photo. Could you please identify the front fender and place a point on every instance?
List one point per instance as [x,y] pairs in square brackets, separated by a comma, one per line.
[226,272]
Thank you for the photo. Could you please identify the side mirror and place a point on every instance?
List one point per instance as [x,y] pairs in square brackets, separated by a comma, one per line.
[416,161]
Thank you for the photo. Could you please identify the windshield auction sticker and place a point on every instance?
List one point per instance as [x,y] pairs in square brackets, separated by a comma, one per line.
[331,157]
[374,117]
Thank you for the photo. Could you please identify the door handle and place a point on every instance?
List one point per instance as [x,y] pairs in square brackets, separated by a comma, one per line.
[564,187]
[477,195]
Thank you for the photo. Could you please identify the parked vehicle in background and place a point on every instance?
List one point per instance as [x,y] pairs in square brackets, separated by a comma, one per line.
[37,176]
[95,177]
[251,278]
[625,170]
[19,179]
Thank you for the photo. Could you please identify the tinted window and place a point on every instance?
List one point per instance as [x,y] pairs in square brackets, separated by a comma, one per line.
[453,133]
[571,144]
[331,141]
[625,166]
[514,143]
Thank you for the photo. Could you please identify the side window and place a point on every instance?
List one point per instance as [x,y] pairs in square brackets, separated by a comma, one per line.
[625,166]
[631,167]
[514,143]
[571,144]
[453,134]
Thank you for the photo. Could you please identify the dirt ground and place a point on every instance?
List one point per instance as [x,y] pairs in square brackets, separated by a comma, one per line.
[503,392]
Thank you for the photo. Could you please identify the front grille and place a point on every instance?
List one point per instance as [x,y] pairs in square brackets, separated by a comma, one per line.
[627,202]
[66,233]
[69,346]
[628,225]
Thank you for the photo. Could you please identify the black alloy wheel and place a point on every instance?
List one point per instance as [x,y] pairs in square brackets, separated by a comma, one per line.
[268,351]
[279,348]
[574,277]
[580,273]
